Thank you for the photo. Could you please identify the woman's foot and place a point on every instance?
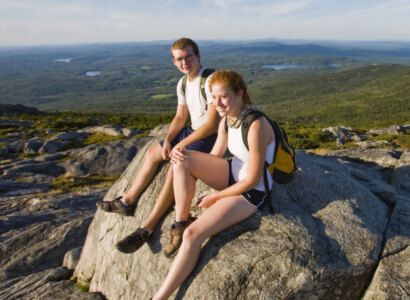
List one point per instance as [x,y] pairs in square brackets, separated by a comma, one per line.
[176,237]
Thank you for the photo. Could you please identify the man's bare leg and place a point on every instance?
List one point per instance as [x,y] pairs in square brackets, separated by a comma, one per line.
[145,174]
[162,203]
[139,237]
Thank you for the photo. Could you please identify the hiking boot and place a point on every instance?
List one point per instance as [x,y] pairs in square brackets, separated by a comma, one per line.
[116,206]
[176,239]
[134,241]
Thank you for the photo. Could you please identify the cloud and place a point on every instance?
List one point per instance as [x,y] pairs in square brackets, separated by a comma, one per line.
[226,4]
[282,8]
[56,21]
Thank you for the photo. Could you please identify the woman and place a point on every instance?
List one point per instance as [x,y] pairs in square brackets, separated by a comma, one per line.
[240,184]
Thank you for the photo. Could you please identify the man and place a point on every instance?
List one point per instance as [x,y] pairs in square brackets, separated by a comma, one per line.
[200,136]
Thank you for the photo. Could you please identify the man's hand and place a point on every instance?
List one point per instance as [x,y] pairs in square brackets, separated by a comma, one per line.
[166,150]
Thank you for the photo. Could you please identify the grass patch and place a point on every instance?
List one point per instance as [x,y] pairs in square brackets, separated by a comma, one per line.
[72,144]
[83,285]
[100,138]
[403,140]
[26,155]
[68,157]
[5,162]
[163,96]
[73,184]
[385,137]
[5,131]
[7,126]
[307,138]
[141,135]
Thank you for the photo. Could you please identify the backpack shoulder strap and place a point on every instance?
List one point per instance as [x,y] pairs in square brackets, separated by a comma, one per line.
[205,74]
[250,116]
[184,79]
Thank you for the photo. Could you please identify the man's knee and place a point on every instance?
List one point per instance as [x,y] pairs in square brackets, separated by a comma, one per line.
[154,153]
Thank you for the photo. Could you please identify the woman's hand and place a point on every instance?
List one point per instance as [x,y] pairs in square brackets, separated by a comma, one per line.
[177,155]
[206,201]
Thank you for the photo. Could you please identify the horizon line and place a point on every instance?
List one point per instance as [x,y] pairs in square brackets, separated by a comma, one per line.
[170,41]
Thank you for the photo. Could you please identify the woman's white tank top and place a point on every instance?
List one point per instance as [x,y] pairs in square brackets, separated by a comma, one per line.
[241,157]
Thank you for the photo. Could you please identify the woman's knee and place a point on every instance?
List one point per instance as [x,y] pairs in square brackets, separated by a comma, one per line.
[192,235]
[182,166]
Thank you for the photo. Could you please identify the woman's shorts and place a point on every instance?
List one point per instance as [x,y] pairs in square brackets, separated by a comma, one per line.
[204,145]
[253,197]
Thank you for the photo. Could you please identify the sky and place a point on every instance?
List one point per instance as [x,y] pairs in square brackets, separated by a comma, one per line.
[56,22]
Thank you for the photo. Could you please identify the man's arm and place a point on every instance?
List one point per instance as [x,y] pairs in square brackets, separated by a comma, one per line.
[210,127]
[177,124]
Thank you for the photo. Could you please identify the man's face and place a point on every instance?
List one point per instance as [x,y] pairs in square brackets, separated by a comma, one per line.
[186,61]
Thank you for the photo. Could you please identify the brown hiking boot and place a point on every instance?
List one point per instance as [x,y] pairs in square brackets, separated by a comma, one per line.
[116,206]
[176,239]
[134,241]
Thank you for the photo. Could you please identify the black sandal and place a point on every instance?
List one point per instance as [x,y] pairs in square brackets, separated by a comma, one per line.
[116,206]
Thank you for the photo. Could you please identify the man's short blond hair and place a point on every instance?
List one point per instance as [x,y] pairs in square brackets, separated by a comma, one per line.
[182,43]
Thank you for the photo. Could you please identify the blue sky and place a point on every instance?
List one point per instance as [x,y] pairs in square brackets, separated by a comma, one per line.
[39,22]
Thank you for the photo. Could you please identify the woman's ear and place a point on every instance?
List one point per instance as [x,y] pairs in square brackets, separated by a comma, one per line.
[240,93]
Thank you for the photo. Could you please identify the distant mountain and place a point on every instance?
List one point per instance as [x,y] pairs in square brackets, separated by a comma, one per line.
[310,48]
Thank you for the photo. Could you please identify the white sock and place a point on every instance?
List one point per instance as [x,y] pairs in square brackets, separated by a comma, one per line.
[123,203]
[149,230]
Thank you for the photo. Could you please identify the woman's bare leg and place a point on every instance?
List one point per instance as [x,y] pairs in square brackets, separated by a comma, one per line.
[223,214]
[210,169]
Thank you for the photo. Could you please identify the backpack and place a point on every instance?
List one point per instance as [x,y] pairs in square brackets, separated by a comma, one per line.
[205,74]
[283,167]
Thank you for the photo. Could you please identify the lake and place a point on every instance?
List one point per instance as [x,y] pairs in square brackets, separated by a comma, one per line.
[284,67]
[92,73]
[66,60]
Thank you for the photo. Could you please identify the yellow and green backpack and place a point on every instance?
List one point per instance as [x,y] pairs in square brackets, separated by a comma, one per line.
[283,167]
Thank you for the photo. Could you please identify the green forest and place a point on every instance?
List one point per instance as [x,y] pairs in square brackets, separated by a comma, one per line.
[134,84]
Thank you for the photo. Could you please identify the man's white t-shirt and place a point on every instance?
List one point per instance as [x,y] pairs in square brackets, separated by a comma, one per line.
[193,98]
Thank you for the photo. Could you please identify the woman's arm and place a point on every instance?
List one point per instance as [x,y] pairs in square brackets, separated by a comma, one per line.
[219,148]
[260,135]
[221,143]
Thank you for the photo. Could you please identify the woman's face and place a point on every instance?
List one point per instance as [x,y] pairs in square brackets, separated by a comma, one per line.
[226,102]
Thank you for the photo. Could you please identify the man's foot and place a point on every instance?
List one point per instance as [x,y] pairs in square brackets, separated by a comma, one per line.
[116,206]
[134,241]
[176,238]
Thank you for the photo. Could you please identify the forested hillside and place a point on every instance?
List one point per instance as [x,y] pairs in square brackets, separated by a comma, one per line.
[363,97]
